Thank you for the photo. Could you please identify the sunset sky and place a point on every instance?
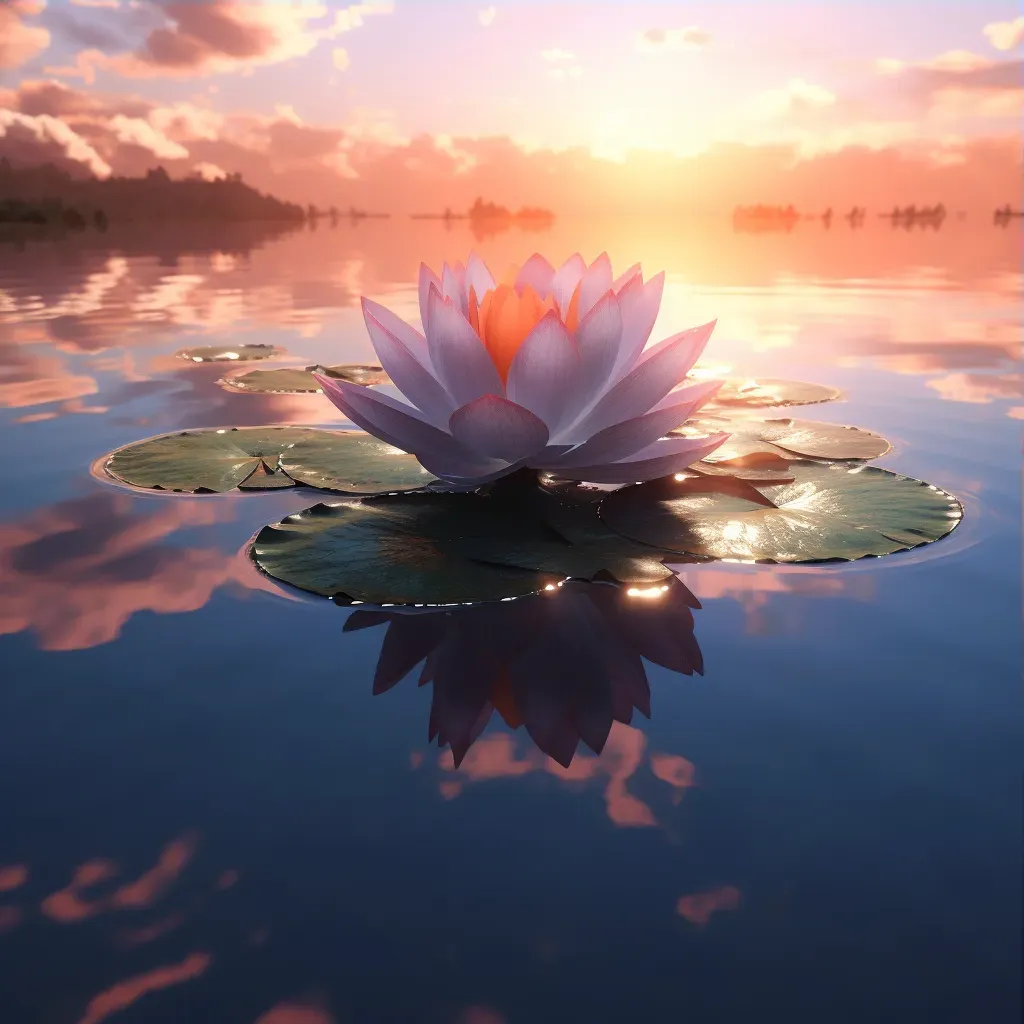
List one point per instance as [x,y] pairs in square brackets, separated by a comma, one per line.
[415,103]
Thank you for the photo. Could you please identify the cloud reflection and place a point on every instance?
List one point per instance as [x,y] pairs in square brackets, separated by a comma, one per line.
[76,572]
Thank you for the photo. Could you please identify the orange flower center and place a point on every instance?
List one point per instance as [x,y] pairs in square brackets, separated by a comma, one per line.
[504,317]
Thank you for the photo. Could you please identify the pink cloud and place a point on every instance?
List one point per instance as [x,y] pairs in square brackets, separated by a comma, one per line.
[20,42]
[368,163]
[224,37]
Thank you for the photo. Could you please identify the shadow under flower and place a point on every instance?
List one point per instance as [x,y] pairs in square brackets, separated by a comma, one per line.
[564,664]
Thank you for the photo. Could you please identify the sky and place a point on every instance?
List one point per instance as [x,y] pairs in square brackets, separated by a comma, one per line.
[417,104]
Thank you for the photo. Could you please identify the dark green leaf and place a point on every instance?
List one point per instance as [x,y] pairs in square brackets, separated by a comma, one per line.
[399,549]
[261,458]
[827,513]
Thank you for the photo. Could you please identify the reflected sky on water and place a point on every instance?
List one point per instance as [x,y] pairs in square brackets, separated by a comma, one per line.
[221,800]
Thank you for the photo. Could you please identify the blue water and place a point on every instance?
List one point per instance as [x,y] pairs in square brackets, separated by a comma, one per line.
[824,827]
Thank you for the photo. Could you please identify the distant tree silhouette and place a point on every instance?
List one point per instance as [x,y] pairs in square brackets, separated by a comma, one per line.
[152,198]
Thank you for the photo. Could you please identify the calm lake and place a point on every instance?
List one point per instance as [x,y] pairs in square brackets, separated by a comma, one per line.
[206,813]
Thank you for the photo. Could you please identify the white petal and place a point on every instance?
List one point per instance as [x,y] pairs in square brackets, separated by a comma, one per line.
[536,273]
[471,472]
[408,373]
[567,276]
[648,382]
[392,422]
[452,288]
[458,355]
[499,429]
[478,277]
[545,372]
[623,440]
[669,455]
[595,282]
[597,339]
[640,304]
[427,278]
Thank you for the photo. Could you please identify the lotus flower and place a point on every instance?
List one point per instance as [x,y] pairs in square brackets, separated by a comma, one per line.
[565,664]
[547,370]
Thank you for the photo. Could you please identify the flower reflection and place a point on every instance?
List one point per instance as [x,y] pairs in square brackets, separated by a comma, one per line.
[564,665]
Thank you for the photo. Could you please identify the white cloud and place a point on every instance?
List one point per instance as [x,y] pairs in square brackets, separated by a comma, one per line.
[1005,35]
[138,132]
[339,58]
[557,56]
[658,40]
[45,130]
[797,96]
[487,15]
[564,73]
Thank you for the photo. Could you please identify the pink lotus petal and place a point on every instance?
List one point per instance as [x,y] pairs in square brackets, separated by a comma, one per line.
[545,371]
[623,279]
[597,340]
[623,440]
[427,278]
[595,282]
[412,339]
[706,389]
[669,455]
[468,472]
[410,376]
[499,429]
[478,277]
[460,360]
[648,382]
[392,422]
[567,276]
[451,288]
[537,274]
[640,304]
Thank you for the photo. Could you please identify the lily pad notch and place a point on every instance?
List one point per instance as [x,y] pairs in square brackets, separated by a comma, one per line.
[266,458]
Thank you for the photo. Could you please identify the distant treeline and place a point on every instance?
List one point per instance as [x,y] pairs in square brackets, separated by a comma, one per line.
[482,210]
[50,196]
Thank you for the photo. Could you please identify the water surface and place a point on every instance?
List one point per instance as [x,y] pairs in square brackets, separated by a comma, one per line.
[207,814]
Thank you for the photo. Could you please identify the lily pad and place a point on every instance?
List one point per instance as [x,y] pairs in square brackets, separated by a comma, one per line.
[263,458]
[827,513]
[756,444]
[578,544]
[769,391]
[294,380]
[228,353]
[398,549]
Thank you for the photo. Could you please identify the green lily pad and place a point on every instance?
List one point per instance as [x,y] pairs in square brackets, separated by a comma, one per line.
[769,391]
[826,513]
[756,444]
[353,462]
[578,544]
[263,458]
[228,353]
[399,549]
[294,380]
